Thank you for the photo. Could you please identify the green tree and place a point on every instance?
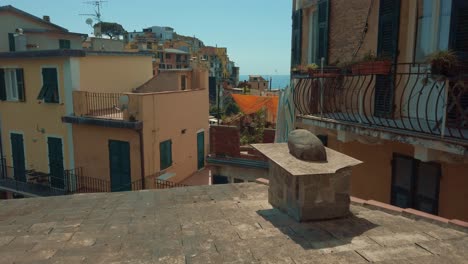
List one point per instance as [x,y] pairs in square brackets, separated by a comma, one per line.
[112,30]
[231,109]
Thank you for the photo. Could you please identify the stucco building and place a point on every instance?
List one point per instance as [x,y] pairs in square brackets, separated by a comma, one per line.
[45,90]
[407,125]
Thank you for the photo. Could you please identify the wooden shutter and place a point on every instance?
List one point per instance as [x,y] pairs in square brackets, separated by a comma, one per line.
[54,146]
[296,46]
[49,91]
[387,46]
[323,18]
[459,28]
[165,153]
[2,85]
[20,83]
[403,171]
[427,187]
[11,41]
[389,27]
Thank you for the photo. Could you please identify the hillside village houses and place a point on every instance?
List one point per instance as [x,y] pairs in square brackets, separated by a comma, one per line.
[79,120]
[75,120]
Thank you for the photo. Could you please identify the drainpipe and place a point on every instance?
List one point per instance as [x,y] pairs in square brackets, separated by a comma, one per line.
[142,158]
[2,161]
[322,61]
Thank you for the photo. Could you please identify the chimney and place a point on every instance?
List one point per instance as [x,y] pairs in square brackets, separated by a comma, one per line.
[308,181]
[46,18]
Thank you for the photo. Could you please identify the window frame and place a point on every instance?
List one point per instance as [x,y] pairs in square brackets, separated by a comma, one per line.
[435,32]
[171,161]
[11,84]
[9,87]
[64,44]
[43,92]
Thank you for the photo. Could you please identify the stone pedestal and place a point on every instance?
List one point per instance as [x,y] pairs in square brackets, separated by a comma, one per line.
[308,190]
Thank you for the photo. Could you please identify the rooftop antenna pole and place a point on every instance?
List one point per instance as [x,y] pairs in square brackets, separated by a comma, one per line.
[97,12]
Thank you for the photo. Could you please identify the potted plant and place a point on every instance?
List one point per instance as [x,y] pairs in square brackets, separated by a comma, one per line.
[327,72]
[443,64]
[371,64]
[311,68]
[345,66]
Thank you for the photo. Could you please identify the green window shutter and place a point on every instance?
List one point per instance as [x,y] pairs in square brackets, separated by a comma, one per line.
[49,92]
[64,44]
[296,45]
[389,26]
[11,41]
[459,29]
[323,24]
[2,85]
[165,154]
[20,82]
[387,46]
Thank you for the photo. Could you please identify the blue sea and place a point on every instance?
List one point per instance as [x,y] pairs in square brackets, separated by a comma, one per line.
[277,81]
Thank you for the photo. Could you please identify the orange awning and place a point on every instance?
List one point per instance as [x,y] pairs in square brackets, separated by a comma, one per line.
[250,104]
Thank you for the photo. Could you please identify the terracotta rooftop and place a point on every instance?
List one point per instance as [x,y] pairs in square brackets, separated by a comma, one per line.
[211,224]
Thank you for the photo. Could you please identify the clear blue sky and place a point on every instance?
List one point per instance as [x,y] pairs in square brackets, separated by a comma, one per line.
[257,33]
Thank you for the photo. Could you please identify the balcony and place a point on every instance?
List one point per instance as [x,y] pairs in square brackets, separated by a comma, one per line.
[408,101]
[38,184]
[104,109]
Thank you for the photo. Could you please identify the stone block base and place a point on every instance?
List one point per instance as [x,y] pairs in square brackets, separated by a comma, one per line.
[310,197]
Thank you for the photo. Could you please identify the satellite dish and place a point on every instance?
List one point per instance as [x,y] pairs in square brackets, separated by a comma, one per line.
[123,102]
[89,21]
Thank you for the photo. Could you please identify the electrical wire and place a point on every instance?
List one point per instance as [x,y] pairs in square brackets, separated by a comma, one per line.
[364,31]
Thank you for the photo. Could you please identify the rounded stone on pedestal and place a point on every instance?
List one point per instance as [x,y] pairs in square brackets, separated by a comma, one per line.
[306,146]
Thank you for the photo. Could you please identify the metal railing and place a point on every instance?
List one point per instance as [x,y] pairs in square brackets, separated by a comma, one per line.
[32,183]
[408,99]
[162,184]
[103,105]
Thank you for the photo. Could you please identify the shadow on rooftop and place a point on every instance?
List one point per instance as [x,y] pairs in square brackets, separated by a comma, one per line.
[318,234]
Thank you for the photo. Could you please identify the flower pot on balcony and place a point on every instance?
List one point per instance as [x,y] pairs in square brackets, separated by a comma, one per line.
[327,73]
[372,67]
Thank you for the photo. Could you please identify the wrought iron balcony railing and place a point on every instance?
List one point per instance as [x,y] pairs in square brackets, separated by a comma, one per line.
[409,99]
[32,183]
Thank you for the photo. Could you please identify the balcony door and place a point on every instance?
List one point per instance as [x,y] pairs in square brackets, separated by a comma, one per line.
[200,150]
[17,151]
[415,184]
[387,47]
[55,149]
[119,164]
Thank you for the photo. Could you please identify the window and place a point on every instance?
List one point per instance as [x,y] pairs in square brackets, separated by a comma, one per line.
[11,85]
[183,82]
[64,44]
[433,27]
[168,56]
[165,154]
[415,184]
[149,45]
[49,91]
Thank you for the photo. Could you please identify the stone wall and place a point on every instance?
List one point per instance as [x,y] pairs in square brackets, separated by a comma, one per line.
[347,21]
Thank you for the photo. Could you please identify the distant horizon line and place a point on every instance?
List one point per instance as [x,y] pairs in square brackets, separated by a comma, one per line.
[265,74]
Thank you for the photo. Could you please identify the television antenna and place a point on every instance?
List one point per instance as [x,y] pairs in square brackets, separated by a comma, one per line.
[97,9]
